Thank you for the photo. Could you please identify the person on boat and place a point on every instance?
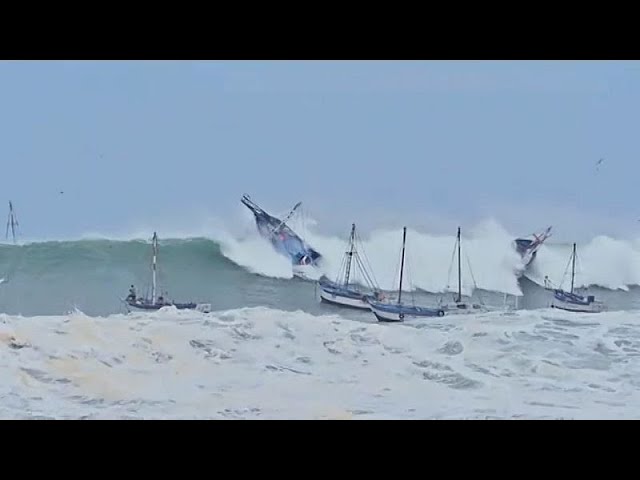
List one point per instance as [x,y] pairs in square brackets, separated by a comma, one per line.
[304,260]
[132,294]
[160,300]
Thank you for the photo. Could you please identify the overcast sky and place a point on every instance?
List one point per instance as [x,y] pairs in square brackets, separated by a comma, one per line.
[431,144]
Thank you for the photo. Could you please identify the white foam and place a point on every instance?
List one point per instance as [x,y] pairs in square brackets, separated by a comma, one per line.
[266,363]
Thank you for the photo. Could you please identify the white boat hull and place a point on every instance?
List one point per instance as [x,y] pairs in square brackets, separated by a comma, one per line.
[594,307]
[343,301]
[388,316]
[385,316]
[200,307]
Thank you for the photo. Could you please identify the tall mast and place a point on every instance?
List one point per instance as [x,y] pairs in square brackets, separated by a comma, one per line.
[459,299]
[11,223]
[155,255]
[350,254]
[573,267]
[404,240]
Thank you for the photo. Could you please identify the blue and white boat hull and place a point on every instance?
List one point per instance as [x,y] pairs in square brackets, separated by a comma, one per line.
[392,312]
[572,302]
[284,240]
[342,299]
[146,306]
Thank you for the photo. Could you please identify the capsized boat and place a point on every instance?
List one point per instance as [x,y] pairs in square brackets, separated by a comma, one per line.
[398,311]
[283,239]
[571,301]
[347,290]
[528,247]
[155,302]
[459,305]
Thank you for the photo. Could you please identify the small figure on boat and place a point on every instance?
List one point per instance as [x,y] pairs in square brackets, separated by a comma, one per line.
[156,303]
[132,294]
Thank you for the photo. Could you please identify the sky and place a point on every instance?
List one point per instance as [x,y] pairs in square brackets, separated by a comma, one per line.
[134,144]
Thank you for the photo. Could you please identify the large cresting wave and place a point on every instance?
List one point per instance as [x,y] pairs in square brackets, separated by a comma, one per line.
[489,260]
[241,268]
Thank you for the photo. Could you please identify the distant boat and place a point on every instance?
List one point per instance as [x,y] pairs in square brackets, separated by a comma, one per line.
[397,311]
[283,239]
[571,301]
[458,305]
[157,302]
[528,247]
[12,223]
[345,291]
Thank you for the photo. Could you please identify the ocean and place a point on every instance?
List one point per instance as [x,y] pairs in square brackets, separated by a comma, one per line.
[270,349]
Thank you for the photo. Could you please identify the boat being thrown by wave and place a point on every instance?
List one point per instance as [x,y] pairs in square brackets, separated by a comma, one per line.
[528,247]
[283,239]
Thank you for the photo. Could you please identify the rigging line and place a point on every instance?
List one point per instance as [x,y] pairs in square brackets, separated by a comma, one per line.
[368,264]
[453,256]
[578,269]
[395,282]
[342,273]
[407,270]
[370,268]
[364,273]
[475,284]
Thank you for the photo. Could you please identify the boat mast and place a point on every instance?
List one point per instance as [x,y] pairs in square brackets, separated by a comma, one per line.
[573,267]
[287,217]
[153,268]
[352,240]
[11,223]
[459,299]
[404,239]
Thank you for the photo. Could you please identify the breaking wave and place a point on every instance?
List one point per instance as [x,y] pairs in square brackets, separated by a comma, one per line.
[92,274]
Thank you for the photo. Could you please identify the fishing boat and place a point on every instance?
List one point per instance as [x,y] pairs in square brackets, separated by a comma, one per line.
[284,240]
[571,301]
[12,223]
[156,302]
[458,305]
[528,247]
[398,311]
[346,290]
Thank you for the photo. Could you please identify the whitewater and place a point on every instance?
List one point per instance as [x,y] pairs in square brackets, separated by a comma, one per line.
[270,349]
[262,363]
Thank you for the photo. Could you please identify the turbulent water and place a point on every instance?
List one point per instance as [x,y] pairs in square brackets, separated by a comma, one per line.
[267,363]
[270,349]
